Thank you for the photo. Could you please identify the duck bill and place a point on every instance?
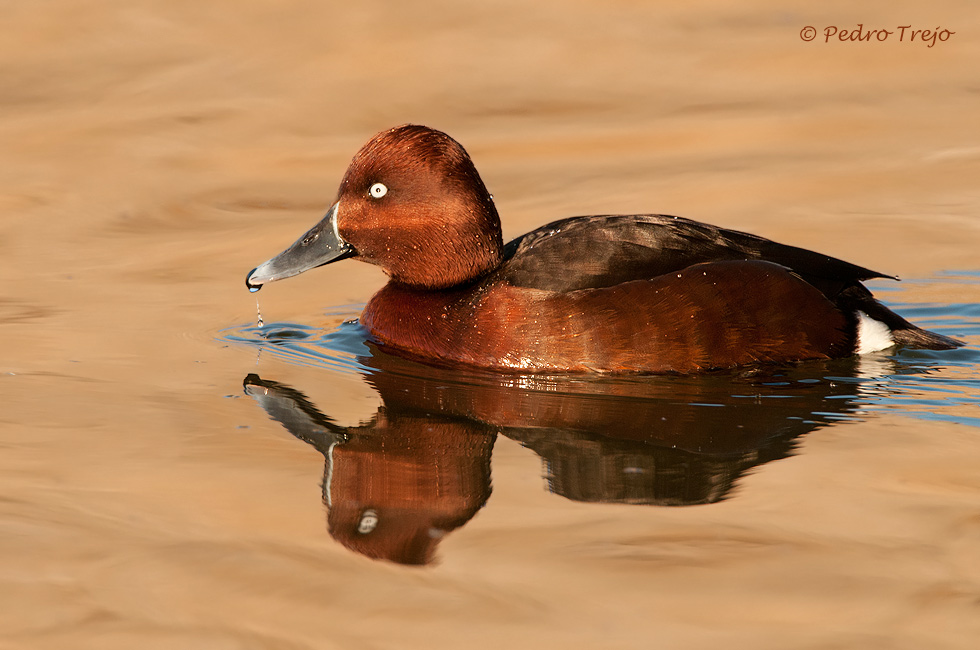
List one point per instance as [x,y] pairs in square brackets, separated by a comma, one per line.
[320,245]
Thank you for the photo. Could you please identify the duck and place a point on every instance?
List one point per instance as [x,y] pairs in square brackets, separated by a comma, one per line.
[611,294]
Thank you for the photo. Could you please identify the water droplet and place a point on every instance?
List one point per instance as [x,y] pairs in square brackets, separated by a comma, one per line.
[258,321]
[252,287]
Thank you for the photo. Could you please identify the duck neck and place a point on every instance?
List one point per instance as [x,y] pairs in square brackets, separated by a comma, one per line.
[457,253]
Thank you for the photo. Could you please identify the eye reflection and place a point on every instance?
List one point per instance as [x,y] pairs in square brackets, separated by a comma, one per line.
[368,522]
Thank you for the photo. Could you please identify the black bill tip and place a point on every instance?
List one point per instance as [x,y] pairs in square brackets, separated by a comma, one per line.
[248,281]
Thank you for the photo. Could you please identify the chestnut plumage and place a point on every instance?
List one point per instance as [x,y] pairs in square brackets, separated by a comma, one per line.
[612,294]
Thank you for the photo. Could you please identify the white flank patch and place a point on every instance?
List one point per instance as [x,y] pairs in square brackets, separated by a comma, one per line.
[872,335]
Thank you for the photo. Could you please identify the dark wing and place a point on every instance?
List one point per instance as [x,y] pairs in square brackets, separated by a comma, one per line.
[603,251]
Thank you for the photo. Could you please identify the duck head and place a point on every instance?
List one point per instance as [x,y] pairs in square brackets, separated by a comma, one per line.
[412,203]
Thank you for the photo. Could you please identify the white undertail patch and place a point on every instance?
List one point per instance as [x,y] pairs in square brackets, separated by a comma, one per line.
[872,335]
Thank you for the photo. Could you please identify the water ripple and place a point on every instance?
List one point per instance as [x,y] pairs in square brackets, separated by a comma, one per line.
[942,385]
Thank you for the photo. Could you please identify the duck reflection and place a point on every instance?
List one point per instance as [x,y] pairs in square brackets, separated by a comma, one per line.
[394,486]
[420,468]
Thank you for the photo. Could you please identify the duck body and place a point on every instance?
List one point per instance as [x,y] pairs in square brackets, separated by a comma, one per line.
[610,294]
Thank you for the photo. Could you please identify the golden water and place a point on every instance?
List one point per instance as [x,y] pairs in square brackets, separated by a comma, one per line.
[154,152]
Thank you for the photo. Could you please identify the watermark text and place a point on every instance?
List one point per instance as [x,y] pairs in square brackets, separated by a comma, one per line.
[901,33]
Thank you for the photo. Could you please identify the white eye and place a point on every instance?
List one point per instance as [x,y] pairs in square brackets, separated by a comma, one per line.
[378,190]
[369,518]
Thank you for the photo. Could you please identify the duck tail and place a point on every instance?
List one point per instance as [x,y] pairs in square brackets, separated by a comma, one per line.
[916,337]
[857,299]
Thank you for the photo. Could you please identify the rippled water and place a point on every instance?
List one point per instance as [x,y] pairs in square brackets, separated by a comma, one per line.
[662,441]
[156,150]
[947,379]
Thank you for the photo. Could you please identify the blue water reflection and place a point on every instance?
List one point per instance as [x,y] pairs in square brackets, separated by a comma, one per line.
[398,483]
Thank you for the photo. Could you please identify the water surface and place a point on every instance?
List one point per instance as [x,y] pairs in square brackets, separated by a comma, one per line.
[155,151]
[656,441]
